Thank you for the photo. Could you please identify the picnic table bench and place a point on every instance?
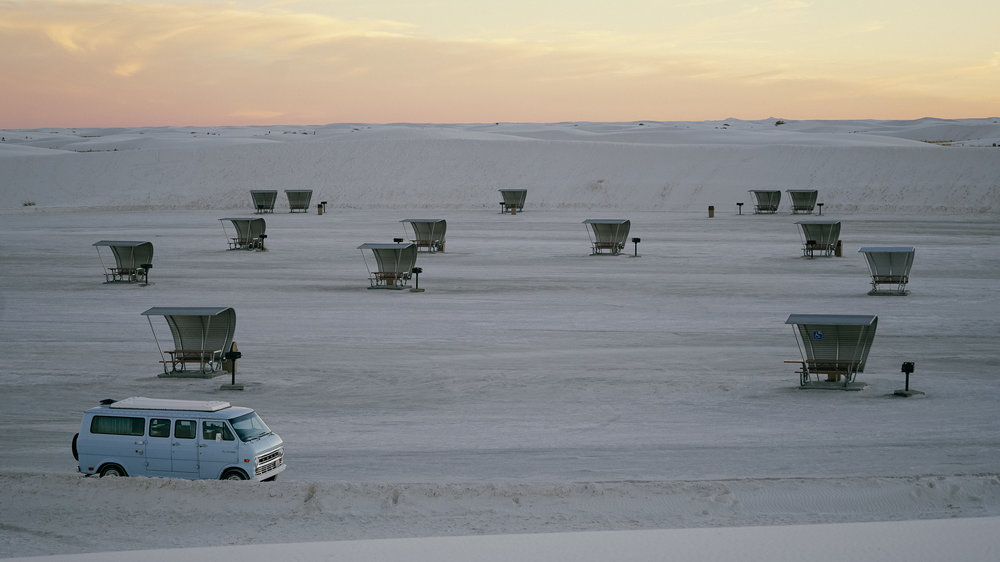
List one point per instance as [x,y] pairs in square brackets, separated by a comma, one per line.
[613,247]
[245,243]
[132,274]
[181,357]
[388,278]
[834,369]
[890,279]
[810,248]
[511,208]
[432,245]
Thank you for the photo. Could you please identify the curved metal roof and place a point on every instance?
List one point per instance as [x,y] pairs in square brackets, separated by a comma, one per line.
[121,243]
[186,310]
[833,319]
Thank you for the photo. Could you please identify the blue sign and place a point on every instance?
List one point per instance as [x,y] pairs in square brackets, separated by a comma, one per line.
[817,335]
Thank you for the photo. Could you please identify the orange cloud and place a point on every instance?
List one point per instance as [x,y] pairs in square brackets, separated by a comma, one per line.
[75,63]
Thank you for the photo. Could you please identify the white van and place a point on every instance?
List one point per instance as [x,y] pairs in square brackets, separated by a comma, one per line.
[177,438]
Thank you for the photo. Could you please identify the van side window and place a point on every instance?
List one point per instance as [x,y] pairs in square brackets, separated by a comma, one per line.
[210,429]
[118,425]
[159,428]
[184,429]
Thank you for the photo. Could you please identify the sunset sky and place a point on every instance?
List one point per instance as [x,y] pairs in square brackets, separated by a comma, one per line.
[76,63]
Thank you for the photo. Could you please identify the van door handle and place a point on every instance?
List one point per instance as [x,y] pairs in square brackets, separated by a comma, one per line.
[202,445]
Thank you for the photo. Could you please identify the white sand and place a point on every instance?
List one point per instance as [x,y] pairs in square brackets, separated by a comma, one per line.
[532,388]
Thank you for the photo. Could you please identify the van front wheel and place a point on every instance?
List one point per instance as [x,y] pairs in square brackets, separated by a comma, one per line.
[233,474]
[112,470]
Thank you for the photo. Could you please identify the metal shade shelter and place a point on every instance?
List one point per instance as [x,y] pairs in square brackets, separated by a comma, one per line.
[803,200]
[201,336]
[835,345]
[765,200]
[393,264]
[298,200]
[249,233]
[819,236]
[427,233]
[889,266]
[513,200]
[263,200]
[607,235]
[131,260]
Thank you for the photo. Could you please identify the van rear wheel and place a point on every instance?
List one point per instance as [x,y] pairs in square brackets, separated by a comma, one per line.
[112,470]
[234,474]
[76,454]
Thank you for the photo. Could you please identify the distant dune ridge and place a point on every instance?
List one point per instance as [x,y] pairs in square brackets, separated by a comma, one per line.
[925,166]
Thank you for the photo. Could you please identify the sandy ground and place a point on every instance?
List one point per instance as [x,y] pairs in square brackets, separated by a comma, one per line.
[532,388]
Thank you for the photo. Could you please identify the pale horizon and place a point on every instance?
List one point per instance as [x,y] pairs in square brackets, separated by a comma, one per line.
[85,63]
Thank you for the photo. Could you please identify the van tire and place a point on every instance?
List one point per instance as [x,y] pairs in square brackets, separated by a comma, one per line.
[76,454]
[234,474]
[112,471]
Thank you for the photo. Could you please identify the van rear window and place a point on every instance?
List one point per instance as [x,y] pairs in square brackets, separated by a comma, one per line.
[118,425]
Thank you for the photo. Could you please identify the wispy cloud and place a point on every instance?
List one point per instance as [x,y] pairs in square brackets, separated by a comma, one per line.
[247,61]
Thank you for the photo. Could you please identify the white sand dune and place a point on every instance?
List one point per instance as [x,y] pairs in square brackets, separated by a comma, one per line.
[536,402]
[860,166]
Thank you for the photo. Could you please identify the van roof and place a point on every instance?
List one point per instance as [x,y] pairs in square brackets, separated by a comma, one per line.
[143,403]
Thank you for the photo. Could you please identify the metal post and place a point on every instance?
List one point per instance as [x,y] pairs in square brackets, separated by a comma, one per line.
[907,368]
[905,392]
[416,280]
[739,207]
[820,205]
[232,356]
[636,242]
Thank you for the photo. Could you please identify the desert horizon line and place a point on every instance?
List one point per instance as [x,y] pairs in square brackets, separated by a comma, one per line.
[640,122]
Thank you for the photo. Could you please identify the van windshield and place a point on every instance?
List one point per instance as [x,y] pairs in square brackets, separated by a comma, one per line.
[250,426]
